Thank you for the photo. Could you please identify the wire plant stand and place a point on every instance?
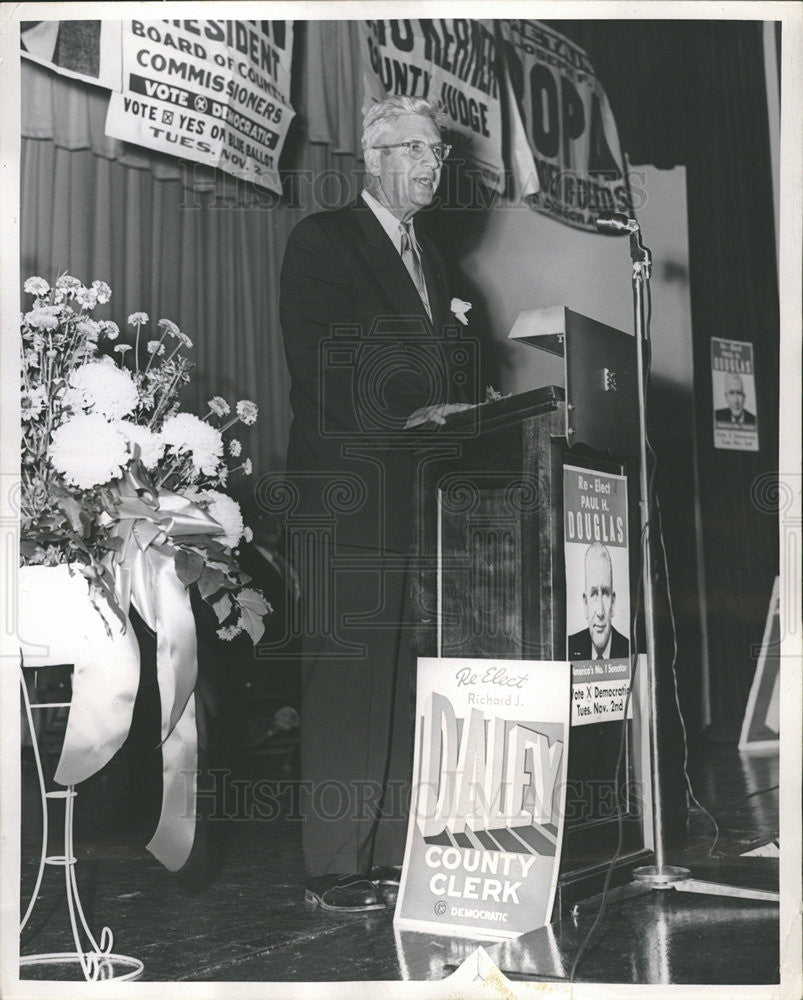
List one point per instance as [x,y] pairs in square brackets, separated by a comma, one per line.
[94,955]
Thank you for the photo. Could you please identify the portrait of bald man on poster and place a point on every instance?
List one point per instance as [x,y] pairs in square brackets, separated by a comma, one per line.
[599,640]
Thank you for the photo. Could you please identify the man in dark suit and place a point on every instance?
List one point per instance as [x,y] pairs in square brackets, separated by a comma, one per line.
[734,412]
[363,305]
[600,640]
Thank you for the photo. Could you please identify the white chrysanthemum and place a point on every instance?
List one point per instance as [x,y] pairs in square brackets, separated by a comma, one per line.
[187,433]
[43,318]
[106,389]
[235,447]
[36,286]
[138,319]
[247,411]
[228,515]
[88,451]
[151,446]
[155,347]
[110,329]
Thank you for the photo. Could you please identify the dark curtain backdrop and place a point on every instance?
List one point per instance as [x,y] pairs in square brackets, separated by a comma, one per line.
[183,241]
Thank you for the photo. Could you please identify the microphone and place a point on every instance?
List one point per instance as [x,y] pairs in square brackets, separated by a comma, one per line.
[615,224]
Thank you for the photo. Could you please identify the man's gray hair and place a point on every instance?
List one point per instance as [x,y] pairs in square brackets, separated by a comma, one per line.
[381,116]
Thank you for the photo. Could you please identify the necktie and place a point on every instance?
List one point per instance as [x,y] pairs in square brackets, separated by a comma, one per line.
[409,255]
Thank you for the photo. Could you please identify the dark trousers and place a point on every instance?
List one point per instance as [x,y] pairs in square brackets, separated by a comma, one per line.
[356,712]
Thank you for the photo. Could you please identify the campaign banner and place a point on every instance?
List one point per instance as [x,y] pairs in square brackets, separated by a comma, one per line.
[596,550]
[83,50]
[734,395]
[567,124]
[489,787]
[451,61]
[214,92]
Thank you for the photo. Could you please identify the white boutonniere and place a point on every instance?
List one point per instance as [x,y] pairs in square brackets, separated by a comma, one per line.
[460,308]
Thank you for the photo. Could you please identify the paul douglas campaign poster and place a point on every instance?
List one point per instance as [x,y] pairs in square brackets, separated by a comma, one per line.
[597,593]
[489,788]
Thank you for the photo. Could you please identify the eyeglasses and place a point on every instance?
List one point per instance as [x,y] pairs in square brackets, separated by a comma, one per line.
[415,147]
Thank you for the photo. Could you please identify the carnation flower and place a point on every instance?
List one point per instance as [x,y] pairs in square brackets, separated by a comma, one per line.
[155,347]
[43,318]
[87,298]
[219,406]
[169,327]
[247,411]
[228,515]
[88,328]
[88,451]
[460,308]
[138,319]
[227,634]
[107,389]
[235,447]
[247,467]
[122,348]
[102,291]
[187,433]
[185,340]
[248,534]
[151,447]
[67,285]
[36,286]
[110,329]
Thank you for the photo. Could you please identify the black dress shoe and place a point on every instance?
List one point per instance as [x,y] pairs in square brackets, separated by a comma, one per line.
[346,893]
[386,874]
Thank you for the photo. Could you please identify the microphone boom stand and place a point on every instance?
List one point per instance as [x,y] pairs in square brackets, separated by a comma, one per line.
[660,875]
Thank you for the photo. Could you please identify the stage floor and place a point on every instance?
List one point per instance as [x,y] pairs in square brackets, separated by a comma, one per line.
[237,911]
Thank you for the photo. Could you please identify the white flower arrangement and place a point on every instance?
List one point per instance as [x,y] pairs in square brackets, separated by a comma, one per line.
[102,429]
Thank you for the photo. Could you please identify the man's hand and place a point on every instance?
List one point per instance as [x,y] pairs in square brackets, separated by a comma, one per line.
[435,414]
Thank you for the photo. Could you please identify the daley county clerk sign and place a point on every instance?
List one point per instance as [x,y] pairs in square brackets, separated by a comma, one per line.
[486,821]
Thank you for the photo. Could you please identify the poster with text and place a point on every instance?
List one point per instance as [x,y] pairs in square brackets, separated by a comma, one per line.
[597,558]
[447,60]
[568,125]
[489,787]
[734,395]
[213,92]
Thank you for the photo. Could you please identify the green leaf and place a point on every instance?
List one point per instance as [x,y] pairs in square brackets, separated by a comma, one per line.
[189,566]
[72,509]
[252,623]
[254,601]
[211,581]
[222,607]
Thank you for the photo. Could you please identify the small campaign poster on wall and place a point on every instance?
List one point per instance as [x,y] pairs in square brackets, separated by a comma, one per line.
[597,558]
[489,789]
[734,394]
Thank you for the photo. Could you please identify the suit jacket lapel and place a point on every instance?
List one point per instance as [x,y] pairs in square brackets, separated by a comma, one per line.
[382,259]
[436,284]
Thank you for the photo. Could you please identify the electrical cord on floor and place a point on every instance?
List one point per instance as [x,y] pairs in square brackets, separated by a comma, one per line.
[687,778]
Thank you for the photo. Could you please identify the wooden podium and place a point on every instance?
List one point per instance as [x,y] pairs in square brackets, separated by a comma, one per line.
[488,581]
